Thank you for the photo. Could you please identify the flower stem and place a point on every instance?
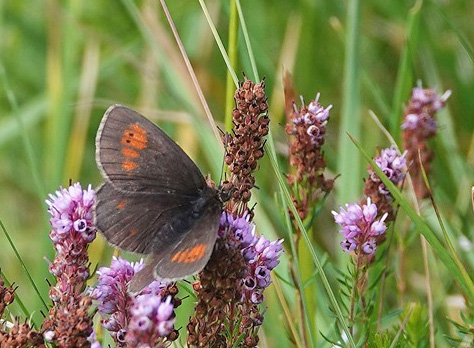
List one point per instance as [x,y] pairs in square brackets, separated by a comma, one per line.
[232,52]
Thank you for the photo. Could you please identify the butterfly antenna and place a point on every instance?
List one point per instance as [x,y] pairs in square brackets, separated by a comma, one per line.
[252,209]
[220,130]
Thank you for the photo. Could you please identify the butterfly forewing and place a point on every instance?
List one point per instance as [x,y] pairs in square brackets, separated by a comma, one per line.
[136,156]
[141,223]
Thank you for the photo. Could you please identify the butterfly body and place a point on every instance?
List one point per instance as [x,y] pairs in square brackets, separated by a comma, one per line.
[155,200]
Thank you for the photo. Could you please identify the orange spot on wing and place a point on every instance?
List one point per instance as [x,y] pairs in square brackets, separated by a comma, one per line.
[183,256]
[133,232]
[197,252]
[135,136]
[130,153]
[176,256]
[136,127]
[128,166]
[122,204]
[189,255]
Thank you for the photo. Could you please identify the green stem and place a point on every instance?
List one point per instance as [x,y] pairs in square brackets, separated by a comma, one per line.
[232,51]
[23,265]
[299,278]
[349,158]
[247,42]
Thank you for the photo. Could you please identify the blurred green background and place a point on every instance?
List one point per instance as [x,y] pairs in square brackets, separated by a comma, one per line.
[64,62]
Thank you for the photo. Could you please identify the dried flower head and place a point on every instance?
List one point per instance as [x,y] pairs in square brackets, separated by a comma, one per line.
[245,145]
[15,334]
[21,336]
[69,323]
[7,295]
[145,318]
[306,127]
[232,284]
[419,125]
[393,165]
[361,230]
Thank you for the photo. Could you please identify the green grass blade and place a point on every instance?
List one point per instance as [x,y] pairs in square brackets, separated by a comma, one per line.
[23,265]
[247,41]
[349,160]
[455,268]
[231,80]
[404,74]
[232,33]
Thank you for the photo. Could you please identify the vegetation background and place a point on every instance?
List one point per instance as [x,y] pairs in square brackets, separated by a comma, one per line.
[62,63]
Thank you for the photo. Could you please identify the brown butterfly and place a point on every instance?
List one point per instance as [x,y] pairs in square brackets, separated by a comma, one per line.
[154,201]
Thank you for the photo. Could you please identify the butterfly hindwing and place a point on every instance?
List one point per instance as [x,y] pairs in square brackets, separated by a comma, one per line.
[191,254]
[136,156]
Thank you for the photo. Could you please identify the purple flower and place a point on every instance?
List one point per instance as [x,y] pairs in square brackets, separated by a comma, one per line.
[260,255]
[151,318]
[136,319]
[393,165]
[313,121]
[71,212]
[424,103]
[72,230]
[360,228]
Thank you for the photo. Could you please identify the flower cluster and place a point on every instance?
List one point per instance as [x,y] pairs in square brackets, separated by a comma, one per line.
[245,146]
[259,254]
[73,230]
[237,281]
[307,128]
[418,126]
[69,323]
[143,319]
[361,230]
[393,165]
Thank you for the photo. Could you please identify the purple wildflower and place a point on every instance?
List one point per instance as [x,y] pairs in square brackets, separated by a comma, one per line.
[69,323]
[260,255]
[424,103]
[151,319]
[233,282]
[145,318]
[73,229]
[392,165]
[360,229]
[306,127]
[418,126]
[311,120]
